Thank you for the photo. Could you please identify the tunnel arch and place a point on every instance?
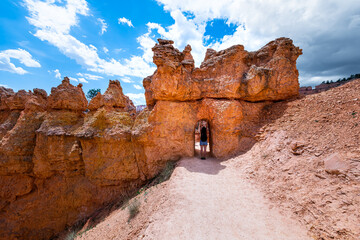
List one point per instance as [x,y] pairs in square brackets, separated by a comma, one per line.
[196,144]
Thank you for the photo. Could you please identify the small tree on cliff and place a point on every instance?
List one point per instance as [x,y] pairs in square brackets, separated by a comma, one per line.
[92,93]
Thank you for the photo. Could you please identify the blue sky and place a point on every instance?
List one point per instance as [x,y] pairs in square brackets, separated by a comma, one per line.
[92,41]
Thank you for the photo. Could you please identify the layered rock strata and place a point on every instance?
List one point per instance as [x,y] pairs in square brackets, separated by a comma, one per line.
[59,163]
[231,90]
[267,74]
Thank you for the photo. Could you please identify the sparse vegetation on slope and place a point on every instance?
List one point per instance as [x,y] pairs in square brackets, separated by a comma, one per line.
[133,209]
[130,202]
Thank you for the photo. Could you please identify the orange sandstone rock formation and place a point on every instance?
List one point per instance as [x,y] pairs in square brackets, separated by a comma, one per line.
[67,96]
[60,163]
[113,98]
[267,74]
[230,90]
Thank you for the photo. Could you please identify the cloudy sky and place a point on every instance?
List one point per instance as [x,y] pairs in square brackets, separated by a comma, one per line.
[92,41]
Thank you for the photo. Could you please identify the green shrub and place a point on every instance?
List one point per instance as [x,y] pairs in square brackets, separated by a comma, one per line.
[92,93]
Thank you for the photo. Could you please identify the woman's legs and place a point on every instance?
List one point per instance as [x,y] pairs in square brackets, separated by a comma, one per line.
[203,151]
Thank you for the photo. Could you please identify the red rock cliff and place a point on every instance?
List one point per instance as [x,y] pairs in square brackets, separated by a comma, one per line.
[58,164]
[267,74]
[230,90]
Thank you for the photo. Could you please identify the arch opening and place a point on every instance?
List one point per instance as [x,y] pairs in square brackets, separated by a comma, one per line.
[197,135]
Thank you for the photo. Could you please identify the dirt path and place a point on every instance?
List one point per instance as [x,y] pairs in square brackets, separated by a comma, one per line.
[203,200]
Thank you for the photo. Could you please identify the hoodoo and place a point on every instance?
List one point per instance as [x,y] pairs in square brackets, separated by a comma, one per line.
[230,90]
[60,163]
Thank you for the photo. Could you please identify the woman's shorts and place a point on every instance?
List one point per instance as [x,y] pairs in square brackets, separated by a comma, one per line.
[203,143]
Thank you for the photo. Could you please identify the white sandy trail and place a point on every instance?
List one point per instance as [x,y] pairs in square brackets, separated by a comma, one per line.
[209,200]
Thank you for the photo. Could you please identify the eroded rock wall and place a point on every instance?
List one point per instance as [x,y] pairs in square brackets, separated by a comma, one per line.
[234,73]
[60,163]
[231,90]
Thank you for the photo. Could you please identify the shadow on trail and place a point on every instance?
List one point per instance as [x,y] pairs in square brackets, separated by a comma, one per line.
[210,166]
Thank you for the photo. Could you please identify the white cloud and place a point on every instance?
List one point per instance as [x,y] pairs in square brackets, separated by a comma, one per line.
[320,27]
[125,21]
[57,73]
[105,50]
[117,50]
[83,80]
[104,25]
[146,43]
[22,55]
[73,79]
[54,18]
[92,47]
[138,87]
[89,76]
[184,31]
[137,98]
[315,80]
[126,80]
[53,24]
[4,85]
[326,30]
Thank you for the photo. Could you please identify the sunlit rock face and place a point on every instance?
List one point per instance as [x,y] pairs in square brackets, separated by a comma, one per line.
[67,97]
[62,158]
[60,163]
[231,89]
[234,73]
[113,98]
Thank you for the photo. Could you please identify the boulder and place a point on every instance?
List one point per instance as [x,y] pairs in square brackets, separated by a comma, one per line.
[336,164]
[297,147]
